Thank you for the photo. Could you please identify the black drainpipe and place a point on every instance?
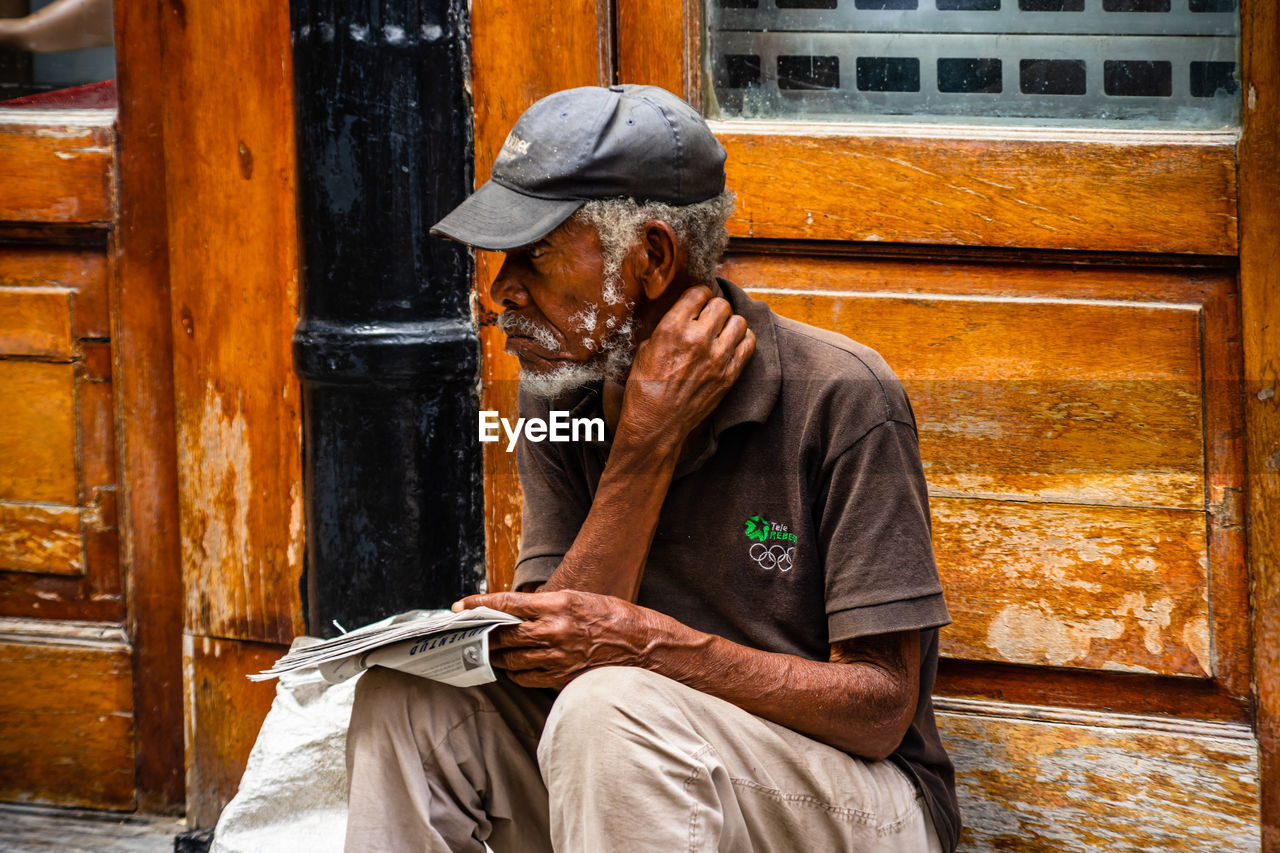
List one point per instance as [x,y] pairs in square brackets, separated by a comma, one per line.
[384,345]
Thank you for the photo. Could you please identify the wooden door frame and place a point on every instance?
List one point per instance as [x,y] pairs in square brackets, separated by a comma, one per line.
[144,404]
[1258,161]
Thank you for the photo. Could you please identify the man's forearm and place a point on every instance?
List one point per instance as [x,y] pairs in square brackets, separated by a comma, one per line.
[861,706]
[610,550]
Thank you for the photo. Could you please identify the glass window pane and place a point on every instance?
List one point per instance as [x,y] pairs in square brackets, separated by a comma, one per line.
[1147,62]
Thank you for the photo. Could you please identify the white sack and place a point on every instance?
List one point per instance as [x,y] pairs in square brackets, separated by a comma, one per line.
[293,796]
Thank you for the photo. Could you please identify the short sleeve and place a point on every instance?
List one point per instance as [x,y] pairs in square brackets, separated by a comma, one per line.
[554,507]
[874,531]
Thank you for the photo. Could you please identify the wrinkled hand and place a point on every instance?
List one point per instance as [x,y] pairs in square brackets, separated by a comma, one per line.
[566,634]
[679,375]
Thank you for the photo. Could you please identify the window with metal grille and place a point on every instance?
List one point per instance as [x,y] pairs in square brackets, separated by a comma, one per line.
[1142,61]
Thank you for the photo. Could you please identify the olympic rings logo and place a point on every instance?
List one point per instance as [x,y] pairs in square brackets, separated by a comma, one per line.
[773,557]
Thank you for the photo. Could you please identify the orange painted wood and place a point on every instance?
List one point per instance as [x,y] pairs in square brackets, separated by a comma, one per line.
[511,68]
[224,711]
[647,31]
[232,235]
[76,268]
[510,71]
[1066,193]
[1113,588]
[1260,309]
[67,714]
[35,322]
[97,439]
[1092,689]
[40,538]
[862,267]
[1038,399]
[38,432]
[1031,779]
[56,171]
[143,380]
[1225,472]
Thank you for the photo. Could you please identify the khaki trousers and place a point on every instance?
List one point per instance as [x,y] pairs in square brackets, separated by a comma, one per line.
[620,760]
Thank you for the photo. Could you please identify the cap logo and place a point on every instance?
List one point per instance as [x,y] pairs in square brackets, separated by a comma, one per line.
[513,147]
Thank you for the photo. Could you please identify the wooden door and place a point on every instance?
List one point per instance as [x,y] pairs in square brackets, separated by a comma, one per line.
[1078,310]
[64,655]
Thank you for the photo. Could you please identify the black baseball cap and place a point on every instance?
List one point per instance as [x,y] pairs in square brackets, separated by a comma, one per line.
[640,142]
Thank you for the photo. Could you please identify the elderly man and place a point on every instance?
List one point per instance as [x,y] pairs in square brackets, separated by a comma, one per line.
[731,602]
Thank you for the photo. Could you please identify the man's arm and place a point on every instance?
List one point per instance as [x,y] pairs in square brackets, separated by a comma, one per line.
[679,375]
[862,700]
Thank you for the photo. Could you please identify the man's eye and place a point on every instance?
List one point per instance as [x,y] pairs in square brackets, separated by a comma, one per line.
[536,252]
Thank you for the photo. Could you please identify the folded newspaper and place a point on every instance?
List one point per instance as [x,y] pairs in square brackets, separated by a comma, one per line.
[436,644]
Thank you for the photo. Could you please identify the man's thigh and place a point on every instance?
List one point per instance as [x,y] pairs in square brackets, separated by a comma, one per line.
[438,768]
[630,754]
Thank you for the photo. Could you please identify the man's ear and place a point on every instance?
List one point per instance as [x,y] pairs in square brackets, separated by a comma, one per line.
[663,260]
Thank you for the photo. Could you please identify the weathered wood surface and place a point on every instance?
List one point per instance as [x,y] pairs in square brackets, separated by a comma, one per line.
[1038,399]
[40,538]
[234,288]
[66,711]
[35,322]
[1112,588]
[57,168]
[1260,292]
[38,433]
[143,380]
[659,44]
[919,270]
[1037,779]
[1092,689]
[75,268]
[509,72]
[1069,191]
[224,711]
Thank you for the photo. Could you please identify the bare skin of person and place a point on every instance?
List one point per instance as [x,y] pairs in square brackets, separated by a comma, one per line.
[64,25]
[692,349]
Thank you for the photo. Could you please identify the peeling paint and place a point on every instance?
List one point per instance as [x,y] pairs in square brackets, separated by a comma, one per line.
[215,464]
[1195,636]
[1028,635]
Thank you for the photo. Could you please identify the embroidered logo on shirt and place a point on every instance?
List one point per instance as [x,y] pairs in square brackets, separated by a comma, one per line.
[773,546]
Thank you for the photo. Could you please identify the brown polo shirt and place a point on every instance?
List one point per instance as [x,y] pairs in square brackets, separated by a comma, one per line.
[803,521]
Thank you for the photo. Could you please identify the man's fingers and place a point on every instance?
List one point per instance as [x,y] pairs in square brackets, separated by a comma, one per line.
[528,605]
[714,314]
[688,306]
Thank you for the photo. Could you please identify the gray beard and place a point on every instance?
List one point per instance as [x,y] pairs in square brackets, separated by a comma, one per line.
[613,361]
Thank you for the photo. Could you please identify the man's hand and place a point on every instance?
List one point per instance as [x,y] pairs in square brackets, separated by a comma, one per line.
[683,370]
[566,634]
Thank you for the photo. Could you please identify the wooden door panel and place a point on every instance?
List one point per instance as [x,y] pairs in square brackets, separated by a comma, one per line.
[38,433]
[67,708]
[27,268]
[40,539]
[1034,779]
[35,321]
[1112,588]
[1027,189]
[54,172]
[1076,426]
[1041,400]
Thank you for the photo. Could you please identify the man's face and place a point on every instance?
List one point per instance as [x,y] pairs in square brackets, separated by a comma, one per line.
[557,317]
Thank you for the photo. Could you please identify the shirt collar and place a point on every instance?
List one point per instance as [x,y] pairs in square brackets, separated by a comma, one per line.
[752,397]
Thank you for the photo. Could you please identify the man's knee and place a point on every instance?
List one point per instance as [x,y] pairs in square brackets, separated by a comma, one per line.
[604,705]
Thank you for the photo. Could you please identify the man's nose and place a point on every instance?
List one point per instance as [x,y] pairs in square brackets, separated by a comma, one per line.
[507,290]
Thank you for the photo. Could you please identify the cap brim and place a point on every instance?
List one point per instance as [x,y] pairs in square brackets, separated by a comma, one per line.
[496,218]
